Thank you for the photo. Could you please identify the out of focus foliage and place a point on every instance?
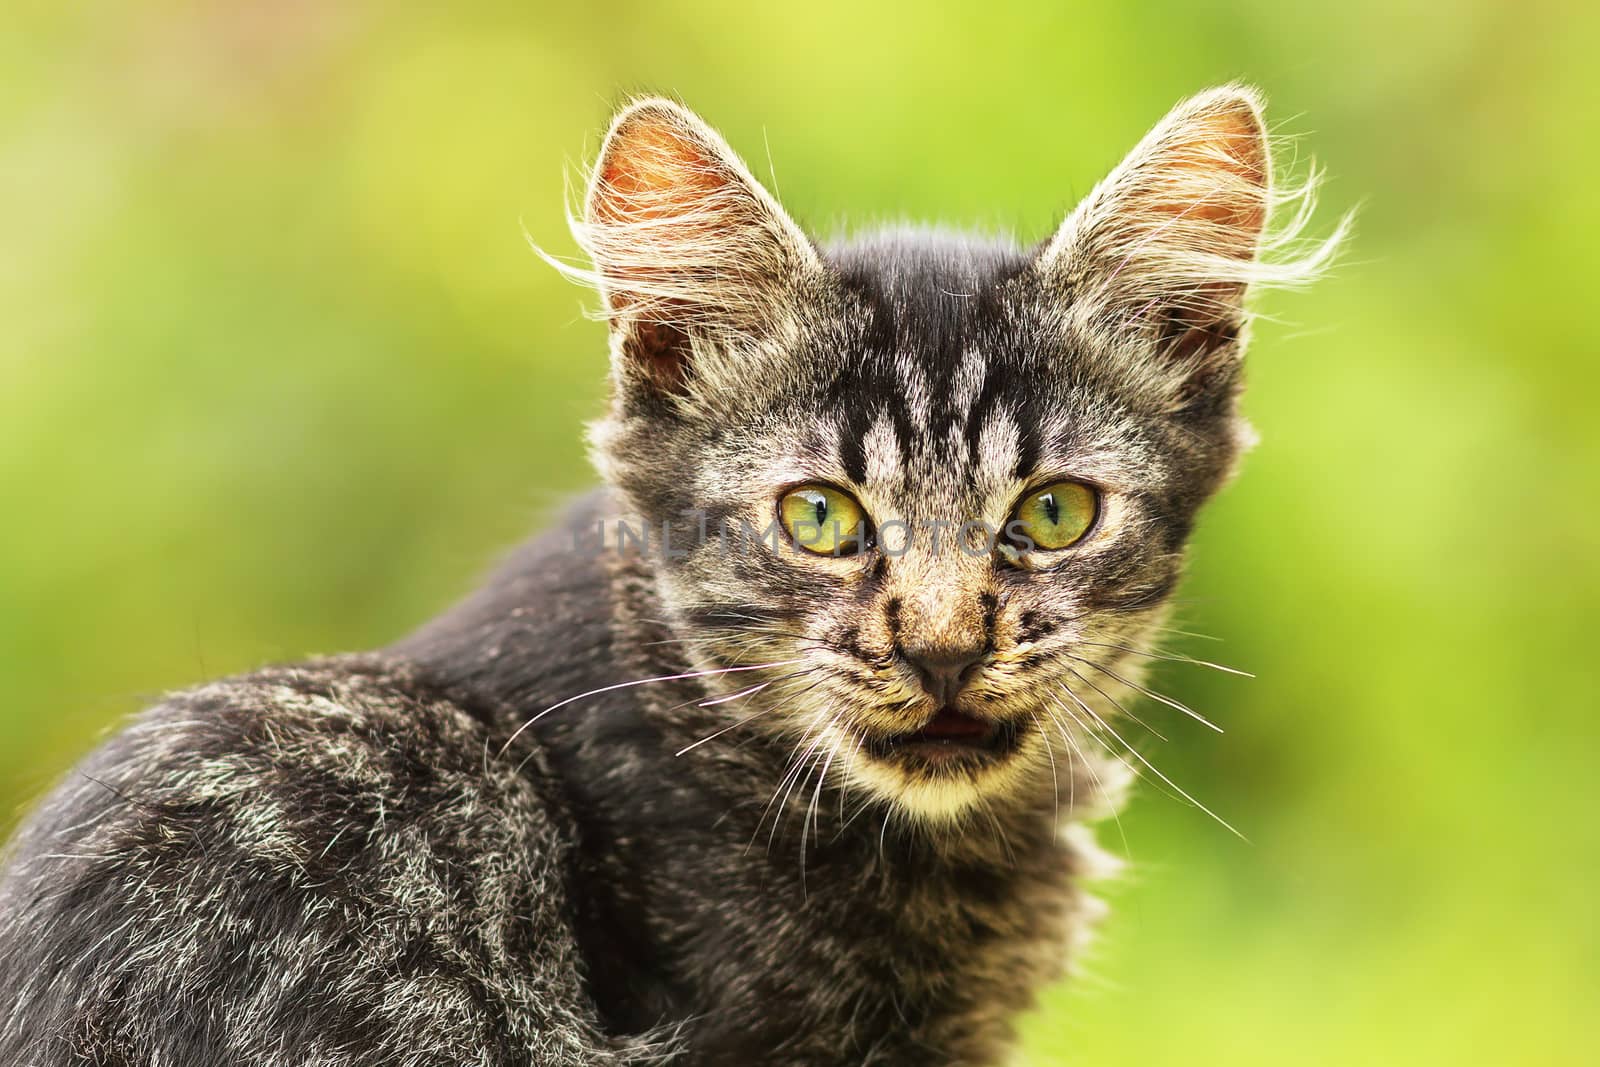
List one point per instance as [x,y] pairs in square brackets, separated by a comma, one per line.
[280,375]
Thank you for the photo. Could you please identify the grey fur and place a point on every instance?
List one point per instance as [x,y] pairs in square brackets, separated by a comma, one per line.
[625,807]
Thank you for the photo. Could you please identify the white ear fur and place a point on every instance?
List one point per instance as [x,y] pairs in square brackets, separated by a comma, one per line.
[1167,245]
[687,247]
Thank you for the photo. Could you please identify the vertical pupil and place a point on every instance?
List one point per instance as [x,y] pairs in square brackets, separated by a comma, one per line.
[1052,510]
[821,505]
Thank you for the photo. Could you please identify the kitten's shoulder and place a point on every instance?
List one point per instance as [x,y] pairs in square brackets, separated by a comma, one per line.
[299,861]
[282,745]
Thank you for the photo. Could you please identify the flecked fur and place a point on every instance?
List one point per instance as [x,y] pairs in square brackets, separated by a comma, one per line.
[624,806]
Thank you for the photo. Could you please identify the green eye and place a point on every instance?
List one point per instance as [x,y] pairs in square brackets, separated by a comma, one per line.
[1056,516]
[823,520]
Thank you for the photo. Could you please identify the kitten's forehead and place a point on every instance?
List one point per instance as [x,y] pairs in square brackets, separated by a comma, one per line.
[926,278]
[946,382]
[936,389]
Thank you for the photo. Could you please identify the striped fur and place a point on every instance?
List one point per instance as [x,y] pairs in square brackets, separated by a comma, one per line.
[626,805]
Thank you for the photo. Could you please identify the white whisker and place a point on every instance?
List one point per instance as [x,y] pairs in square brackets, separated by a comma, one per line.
[638,681]
[1169,658]
[1153,769]
[1151,693]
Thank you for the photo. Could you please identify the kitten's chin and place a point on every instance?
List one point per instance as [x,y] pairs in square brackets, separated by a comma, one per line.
[945,768]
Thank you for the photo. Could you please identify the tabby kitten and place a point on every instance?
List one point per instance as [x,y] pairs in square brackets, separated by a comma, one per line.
[779,751]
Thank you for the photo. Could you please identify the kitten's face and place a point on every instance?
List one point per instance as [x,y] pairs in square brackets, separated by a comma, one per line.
[1019,439]
[941,391]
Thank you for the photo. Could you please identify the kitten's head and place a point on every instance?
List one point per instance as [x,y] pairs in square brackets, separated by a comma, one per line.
[941,484]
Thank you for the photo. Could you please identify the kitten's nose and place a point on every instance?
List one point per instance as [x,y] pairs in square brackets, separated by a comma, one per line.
[944,672]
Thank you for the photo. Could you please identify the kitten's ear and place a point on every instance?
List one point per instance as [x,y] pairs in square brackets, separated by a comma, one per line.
[693,257]
[1162,251]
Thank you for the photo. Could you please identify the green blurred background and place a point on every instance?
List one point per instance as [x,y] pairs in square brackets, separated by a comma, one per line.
[280,375]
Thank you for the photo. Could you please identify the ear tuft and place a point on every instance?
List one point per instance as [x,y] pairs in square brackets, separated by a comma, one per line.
[656,163]
[1165,249]
[1219,167]
[689,251]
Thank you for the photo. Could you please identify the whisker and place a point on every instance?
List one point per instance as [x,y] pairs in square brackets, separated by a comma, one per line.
[803,767]
[1151,693]
[726,729]
[1169,658]
[1055,783]
[1117,704]
[750,639]
[1153,769]
[639,681]
[1088,765]
[987,808]
[748,718]
[816,797]
[797,760]
[1187,633]
[1091,734]
[733,696]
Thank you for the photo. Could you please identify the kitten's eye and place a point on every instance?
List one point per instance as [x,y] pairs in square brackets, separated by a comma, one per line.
[1056,516]
[824,520]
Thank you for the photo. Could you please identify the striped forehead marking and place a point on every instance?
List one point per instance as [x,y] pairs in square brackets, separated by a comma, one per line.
[999,451]
[960,420]
[917,400]
[883,451]
[967,384]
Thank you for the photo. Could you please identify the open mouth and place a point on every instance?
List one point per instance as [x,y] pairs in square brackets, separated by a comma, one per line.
[951,736]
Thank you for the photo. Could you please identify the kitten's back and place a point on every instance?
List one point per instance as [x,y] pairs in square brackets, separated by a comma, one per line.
[318,864]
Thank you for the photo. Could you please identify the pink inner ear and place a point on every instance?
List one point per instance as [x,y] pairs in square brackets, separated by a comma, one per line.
[691,254]
[669,205]
[1216,174]
[1206,192]
[651,171]
[660,350]
[652,174]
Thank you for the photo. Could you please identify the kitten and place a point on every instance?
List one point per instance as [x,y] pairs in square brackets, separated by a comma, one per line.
[742,764]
